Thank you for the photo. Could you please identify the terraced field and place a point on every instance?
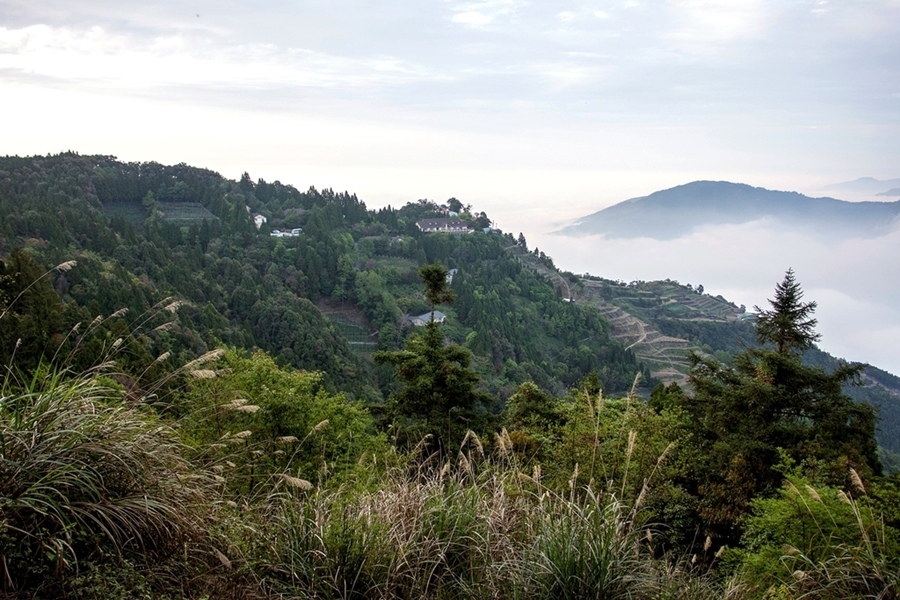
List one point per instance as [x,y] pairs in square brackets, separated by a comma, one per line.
[353,326]
[631,310]
[666,357]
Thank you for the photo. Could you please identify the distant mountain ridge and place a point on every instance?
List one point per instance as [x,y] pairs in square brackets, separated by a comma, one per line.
[863,185]
[676,212]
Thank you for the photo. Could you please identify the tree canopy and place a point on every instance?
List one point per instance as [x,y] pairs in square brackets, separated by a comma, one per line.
[767,407]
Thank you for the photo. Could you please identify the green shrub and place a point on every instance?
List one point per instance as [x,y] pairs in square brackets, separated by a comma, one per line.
[817,542]
[86,479]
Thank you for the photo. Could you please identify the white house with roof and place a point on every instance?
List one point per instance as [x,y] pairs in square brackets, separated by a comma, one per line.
[423,320]
[443,226]
[292,233]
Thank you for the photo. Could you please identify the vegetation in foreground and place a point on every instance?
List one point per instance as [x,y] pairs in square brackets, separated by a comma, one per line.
[233,477]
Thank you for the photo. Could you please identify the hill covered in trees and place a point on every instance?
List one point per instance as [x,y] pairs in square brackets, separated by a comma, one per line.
[323,300]
[194,404]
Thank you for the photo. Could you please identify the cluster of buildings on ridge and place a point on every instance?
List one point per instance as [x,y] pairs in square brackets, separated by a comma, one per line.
[453,225]
[259,220]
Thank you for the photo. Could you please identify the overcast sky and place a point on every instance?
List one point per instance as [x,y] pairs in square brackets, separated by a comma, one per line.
[534,111]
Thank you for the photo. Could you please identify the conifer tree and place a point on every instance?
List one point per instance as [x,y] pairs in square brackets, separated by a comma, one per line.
[789,324]
[438,398]
[769,405]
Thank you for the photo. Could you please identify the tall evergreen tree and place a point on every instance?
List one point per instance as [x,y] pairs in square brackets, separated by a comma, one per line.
[437,291]
[768,405]
[439,398]
[789,324]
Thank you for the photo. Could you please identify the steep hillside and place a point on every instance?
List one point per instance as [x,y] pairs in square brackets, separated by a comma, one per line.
[341,282]
[662,322]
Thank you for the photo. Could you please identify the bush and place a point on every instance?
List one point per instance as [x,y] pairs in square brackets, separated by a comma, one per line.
[87,480]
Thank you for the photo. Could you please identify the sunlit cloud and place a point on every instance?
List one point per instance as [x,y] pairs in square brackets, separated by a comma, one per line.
[472,18]
[98,57]
[481,13]
[700,26]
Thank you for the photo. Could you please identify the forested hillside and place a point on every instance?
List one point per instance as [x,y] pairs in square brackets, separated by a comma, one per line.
[147,236]
[234,389]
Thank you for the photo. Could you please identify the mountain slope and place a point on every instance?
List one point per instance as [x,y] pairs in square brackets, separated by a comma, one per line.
[150,238]
[864,185]
[322,299]
[675,212]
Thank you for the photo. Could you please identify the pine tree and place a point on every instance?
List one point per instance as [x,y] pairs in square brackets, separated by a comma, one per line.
[747,417]
[789,324]
[439,398]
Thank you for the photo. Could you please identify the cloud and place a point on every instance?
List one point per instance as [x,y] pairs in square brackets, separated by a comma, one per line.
[109,60]
[478,14]
[703,26]
[472,18]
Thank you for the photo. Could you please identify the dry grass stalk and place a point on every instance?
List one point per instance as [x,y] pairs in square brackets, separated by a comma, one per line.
[856,480]
[66,266]
[300,484]
[318,427]
[813,493]
[119,313]
[238,437]
[174,306]
[471,435]
[501,443]
[202,374]
[632,437]
[204,358]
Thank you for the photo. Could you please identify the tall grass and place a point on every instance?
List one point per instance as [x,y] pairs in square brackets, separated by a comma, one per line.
[585,549]
[86,479]
[477,528]
[819,542]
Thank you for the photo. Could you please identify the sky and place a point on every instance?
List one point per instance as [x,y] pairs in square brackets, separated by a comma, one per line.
[537,112]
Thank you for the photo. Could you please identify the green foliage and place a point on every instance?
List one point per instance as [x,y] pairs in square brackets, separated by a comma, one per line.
[818,541]
[439,398]
[244,288]
[743,417]
[587,549]
[438,401]
[30,311]
[254,422]
[625,449]
[789,324]
[435,279]
[87,479]
[471,530]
